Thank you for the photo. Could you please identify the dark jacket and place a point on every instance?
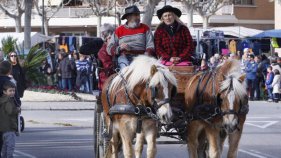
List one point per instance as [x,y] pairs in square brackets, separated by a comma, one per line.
[3,79]
[180,44]
[66,67]
[8,114]
[19,75]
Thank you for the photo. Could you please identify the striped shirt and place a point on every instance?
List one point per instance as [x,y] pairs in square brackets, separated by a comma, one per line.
[83,66]
[138,39]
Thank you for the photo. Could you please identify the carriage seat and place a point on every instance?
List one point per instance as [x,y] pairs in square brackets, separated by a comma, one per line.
[182,74]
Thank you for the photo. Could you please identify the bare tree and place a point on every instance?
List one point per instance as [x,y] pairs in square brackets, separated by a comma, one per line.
[149,11]
[49,12]
[189,7]
[101,8]
[14,9]
[205,8]
[208,8]
[27,24]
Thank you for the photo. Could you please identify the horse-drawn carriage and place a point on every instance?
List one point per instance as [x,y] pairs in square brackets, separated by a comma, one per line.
[147,100]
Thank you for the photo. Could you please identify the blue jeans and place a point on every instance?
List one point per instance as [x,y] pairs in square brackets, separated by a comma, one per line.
[66,83]
[125,60]
[269,93]
[85,87]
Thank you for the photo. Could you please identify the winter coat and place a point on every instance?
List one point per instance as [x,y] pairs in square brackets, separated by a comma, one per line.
[251,70]
[276,84]
[66,67]
[180,44]
[269,79]
[8,114]
[107,65]
[3,79]
[19,75]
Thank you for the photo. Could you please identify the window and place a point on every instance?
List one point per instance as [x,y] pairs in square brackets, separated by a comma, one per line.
[243,2]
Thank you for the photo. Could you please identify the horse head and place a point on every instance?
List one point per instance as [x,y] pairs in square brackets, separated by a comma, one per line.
[161,88]
[149,83]
[233,96]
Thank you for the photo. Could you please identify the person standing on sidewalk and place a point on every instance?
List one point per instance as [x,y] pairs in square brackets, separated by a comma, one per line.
[9,118]
[5,70]
[17,73]
[66,66]
[251,76]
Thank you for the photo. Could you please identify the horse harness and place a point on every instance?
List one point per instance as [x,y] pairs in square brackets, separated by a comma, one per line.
[207,112]
[139,110]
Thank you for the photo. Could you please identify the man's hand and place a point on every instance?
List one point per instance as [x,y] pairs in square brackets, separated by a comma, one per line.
[124,46]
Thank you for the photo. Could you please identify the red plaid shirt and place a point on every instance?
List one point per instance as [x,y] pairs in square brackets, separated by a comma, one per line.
[179,45]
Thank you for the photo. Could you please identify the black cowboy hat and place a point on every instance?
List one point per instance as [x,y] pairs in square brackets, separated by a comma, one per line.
[168,8]
[131,10]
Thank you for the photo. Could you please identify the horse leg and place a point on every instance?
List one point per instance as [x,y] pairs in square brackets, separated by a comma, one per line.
[193,131]
[139,144]
[223,136]
[113,146]
[127,135]
[150,131]
[234,140]
[213,140]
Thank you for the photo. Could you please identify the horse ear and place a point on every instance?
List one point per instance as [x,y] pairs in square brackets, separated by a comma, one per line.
[242,78]
[153,70]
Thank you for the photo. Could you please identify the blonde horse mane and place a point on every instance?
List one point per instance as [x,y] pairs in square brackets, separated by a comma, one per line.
[139,71]
[231,71]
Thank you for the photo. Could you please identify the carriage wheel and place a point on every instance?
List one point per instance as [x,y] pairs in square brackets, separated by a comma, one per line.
[100,143]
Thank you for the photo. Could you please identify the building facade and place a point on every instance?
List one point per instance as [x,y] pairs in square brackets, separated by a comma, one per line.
[77,17]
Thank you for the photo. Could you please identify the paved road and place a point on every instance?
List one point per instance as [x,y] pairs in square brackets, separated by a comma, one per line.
[68,134]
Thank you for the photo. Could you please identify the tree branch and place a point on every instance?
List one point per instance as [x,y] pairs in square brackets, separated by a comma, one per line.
[7,12]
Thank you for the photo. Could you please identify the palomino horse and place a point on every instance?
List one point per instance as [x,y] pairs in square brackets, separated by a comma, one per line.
[146,87]
[218,103]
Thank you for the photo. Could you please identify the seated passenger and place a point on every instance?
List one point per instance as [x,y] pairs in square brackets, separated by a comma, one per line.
[173,42]
[131,39]
[105,59]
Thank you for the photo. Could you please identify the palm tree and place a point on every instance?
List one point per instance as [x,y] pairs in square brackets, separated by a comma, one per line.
[31,64]
[8,45]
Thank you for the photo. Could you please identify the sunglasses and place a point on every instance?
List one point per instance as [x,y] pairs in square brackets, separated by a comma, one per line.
[13,55]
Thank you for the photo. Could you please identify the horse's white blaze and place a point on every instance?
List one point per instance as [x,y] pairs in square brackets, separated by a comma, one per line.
[165,110]
[231,98]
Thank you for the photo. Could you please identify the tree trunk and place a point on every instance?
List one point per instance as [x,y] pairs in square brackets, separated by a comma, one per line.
[118,18]
[18,24]
[46,26]
[149,11]
[98,26]
[205,22]
[190,17]
[27,25]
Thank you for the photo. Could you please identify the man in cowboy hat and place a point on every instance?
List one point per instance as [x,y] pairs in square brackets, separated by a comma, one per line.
[173,42]
[131,39]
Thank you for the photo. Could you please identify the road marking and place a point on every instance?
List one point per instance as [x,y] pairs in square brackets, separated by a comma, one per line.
[24,154]
[78,119]
[261,124]
[252,154]
[258,117]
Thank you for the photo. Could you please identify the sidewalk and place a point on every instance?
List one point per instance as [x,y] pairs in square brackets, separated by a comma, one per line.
[46,101]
